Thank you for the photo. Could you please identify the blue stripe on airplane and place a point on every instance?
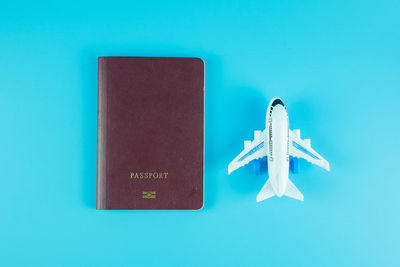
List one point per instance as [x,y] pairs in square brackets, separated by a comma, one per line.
[252,151]
[305,151]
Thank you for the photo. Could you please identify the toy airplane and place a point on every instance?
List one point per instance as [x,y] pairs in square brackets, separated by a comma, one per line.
[278,148]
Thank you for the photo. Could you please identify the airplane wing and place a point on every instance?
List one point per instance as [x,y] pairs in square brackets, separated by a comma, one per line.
[301,148]
[252,150]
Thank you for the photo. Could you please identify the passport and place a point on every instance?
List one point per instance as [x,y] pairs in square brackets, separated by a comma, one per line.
[150,133]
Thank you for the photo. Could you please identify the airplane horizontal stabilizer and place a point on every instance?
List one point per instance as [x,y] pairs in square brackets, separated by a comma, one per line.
[266,192]
[293,192]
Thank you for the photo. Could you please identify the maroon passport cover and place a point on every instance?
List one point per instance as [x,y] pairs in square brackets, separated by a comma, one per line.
[150,133]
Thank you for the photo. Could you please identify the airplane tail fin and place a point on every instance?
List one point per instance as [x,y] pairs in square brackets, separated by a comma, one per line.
[293,192]
[266,192]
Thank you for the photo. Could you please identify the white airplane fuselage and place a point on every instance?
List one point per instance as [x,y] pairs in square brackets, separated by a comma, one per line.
[277,124]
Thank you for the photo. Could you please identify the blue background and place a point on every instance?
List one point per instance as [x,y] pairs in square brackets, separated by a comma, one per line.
[335,64]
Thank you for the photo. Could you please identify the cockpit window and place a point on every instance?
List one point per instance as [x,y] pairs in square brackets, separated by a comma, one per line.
[277,102]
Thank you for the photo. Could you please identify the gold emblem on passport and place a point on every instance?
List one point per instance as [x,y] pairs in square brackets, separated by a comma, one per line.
[149,194]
